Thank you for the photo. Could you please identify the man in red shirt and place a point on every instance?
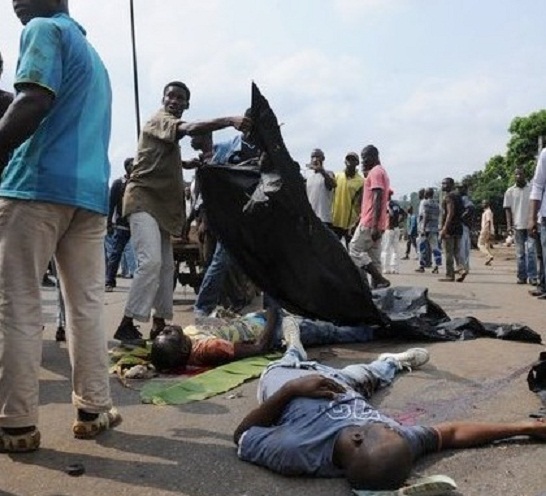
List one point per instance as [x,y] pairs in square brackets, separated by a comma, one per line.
[365,247]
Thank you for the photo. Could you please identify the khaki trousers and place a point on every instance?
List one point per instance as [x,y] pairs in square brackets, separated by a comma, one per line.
[31,233]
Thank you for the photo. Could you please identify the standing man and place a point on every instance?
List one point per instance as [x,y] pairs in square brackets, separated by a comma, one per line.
[154,202]
[537,208]
[117,226]
[391,238]
[452,230]
[5,96]
[468,220]
[487,232]
[365,246]
[516,209]
[428,232]
[345,208]
[320,187]
[53,202]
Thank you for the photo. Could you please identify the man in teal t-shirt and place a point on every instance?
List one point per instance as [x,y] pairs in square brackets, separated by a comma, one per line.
[53,202]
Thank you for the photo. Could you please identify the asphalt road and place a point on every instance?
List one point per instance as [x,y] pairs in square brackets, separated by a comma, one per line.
[188,450]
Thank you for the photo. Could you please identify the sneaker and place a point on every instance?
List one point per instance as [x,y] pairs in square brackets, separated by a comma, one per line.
[435,270]
[108,288]
[409,359]
[92,428]
[521,281]
[21,443]
[291,335]
[420,269]
[128,332]
[60,335]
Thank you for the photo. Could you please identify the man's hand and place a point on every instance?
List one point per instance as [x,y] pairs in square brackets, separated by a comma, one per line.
[532,229]
[241,123]
[315,386]
[376,234]
[443,234]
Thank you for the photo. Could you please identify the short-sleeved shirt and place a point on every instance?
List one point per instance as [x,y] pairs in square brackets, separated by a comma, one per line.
[320,197]
[431,215]
[538,189]
[213,341]
[344,208]
[517,200]
[455,227]
[487,221]
[302,441]
[66,159]
[377,179]
[156,185]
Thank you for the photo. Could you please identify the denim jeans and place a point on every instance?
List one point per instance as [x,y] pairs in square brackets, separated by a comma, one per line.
[525,255]
[128,262]
[465,248]
[360,377]
[429,244]
[213,282]
[120,240]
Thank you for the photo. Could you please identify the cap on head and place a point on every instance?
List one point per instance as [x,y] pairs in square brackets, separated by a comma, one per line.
[352,156]
[171,349]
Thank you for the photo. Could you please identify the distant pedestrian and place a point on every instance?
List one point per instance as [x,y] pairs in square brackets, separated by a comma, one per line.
[365,246]
[320,185]
[411,232]
[390,263]
[452,230]
[428,232]
[487,232]
[346,208]
[516,208]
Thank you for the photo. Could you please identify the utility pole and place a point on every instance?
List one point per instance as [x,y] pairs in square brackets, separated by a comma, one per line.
[135,70]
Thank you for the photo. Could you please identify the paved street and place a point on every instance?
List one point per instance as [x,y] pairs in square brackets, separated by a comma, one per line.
[188,450]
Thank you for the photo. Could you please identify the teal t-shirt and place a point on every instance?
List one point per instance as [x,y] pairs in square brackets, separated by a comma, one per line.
[66,160]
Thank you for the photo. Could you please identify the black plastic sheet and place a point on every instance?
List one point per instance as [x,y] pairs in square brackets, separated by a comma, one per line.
[261,214]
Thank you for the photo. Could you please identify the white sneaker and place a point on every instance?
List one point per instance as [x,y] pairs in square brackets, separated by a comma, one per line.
[409,359]
[291,335]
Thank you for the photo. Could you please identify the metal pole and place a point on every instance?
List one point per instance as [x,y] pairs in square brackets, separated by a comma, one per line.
[135,69]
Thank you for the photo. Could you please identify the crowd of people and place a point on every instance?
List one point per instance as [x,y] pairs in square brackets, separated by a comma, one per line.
[55,204]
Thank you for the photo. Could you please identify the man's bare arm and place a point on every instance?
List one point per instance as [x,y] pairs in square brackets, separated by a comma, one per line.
[267,414]
[469,434]
[240,123]
[23,116]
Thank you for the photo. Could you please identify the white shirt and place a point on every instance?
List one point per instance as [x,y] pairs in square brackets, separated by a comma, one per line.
[517,200]
[319,196]
[539,183]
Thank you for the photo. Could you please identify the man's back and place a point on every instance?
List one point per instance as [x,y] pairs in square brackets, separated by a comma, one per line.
[66,159]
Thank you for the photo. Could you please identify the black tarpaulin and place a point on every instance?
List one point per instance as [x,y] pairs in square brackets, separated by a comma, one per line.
[261,214]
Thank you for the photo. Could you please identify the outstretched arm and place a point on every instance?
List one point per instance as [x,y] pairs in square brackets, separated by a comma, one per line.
[202,127]
[267,414]
[469,434]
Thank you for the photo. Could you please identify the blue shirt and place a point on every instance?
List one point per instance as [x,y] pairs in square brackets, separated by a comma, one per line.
[302,442]
[66,160]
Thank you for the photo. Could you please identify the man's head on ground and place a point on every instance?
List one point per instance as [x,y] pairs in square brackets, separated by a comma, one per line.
[351,163]
[429,193]
[171,349]
[369,157]
[176,98]
[373,456]
[26,10]
[128,165]
[519,174]
[317,158]
[448,184]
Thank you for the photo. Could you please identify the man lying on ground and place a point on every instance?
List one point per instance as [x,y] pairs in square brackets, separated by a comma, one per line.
[315,420]
[215,341]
